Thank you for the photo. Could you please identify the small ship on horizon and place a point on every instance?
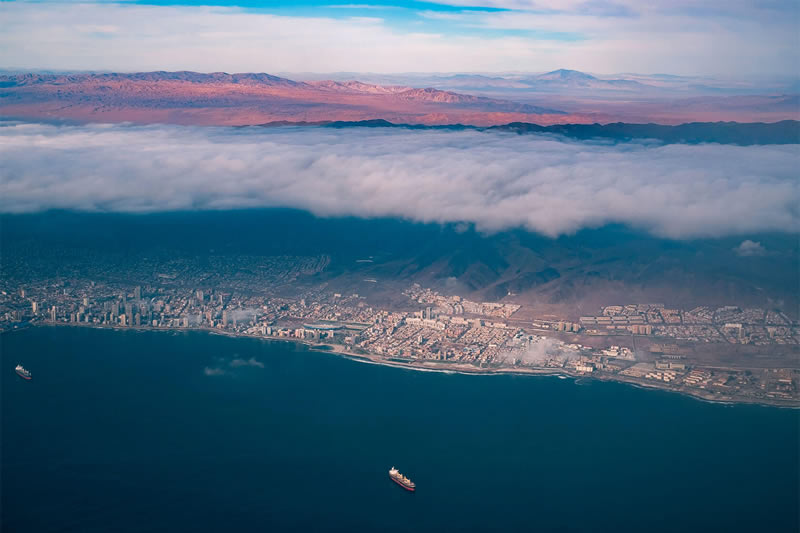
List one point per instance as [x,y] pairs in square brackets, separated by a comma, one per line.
[24,374]
[402,480]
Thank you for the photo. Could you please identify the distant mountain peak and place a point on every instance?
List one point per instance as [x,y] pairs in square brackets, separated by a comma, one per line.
[564,74]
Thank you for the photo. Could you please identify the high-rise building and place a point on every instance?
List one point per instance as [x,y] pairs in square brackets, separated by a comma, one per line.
[53,311]
[34,307]
[137,293]
[200,296]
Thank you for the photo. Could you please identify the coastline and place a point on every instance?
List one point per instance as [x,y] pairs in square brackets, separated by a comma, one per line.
[451,368]
[700,395]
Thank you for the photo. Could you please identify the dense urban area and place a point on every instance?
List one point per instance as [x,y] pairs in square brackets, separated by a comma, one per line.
[643,344]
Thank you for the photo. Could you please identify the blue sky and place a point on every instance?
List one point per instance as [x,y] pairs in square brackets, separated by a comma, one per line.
[733,37]
[300,4]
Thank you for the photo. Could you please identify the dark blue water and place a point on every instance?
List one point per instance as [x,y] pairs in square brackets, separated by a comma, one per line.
[125,431]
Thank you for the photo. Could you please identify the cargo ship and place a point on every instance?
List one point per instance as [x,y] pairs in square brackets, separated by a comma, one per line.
[21,372]
[402,480]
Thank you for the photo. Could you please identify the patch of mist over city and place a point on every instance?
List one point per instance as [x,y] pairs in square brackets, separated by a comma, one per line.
[540,351]
[493,180]
[241,315]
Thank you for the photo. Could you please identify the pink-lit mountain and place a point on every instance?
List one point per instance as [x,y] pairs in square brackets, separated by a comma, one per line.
[559,97]
[240,99]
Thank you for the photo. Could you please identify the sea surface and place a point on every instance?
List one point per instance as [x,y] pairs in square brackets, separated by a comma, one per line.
[154,431]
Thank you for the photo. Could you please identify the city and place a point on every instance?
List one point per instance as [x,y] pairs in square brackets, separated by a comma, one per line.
[643,344]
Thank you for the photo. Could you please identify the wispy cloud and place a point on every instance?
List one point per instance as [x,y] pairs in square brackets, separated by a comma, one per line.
[600,36]
[252,362]
[493,180]
[236,362]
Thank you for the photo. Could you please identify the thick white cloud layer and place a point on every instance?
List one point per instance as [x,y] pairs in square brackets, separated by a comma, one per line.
[494,180]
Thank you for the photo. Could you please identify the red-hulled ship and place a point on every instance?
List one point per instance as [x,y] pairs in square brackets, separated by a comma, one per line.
[21,372]
[402,480]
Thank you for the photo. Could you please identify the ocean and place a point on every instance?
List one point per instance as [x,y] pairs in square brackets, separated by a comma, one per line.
[156,431]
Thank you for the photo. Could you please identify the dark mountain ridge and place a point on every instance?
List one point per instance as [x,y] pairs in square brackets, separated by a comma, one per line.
[611,264]
[737,133]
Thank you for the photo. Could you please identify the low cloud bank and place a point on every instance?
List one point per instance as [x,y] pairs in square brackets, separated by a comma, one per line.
[493,180]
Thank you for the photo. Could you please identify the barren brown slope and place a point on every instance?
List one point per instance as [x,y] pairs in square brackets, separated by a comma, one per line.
[242,99]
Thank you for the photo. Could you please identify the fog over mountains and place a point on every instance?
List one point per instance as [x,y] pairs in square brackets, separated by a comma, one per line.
[576,81]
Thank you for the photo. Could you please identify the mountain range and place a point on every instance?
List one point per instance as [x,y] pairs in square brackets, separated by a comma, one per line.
[241,99]
[558,97]
[738,133]
[571,274]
